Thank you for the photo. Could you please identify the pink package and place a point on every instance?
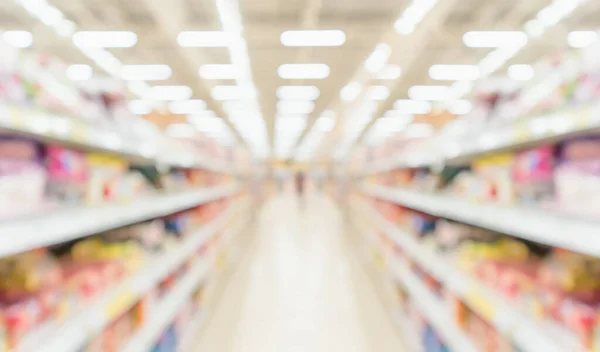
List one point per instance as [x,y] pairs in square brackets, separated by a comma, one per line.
[532,173]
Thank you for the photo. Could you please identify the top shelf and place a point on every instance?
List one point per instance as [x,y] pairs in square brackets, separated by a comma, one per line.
[66,131]
[566,122]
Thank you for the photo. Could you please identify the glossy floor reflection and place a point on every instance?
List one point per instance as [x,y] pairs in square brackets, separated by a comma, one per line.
[299,289]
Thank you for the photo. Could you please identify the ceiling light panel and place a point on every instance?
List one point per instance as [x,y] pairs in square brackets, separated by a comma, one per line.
[520,72]
[218,72]
[303,71]
[80,72]
[432,93]
[181,130]
[298,92]
[407,106]
[325,124]
[186,107]
[18,39]
[226,93]
[139,107]
[454,72]
[307,38]
[413,15]
[494,39]
[171,93]
[205,39]
[105,39]
[582,39]
[460,107]
[146,72]
[295,107]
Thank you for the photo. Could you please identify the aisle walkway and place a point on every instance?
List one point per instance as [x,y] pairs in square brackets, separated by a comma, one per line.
[299,290]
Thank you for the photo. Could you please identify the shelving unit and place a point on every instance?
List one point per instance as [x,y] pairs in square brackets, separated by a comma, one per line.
[506,316]
[81,326]
[63,225]
[531,224]
[565,122]
[396,270]
[67,131]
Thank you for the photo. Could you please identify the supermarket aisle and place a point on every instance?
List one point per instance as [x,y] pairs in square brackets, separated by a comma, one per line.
[299,289]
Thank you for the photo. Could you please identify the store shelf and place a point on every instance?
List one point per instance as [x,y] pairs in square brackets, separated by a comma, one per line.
[540,226]
[63,225]
[72,334]
[70,132]
[167,309]
[526,132]
[506,316]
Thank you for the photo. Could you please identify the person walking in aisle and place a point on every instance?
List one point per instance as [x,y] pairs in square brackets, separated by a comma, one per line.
[300,188]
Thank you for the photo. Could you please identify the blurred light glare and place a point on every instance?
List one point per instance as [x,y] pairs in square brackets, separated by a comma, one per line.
[105,39]
[205,39]
[298,92]
[494,39]
[520,72]
[186,107]
[351,91]
[139,107]
[303,71]
[378,58]
[171,92]
[432,93]
[79,72]
[325,124]
[419,130]
[146,72]
[378,93]
[181,130]
[582,39]
[307,38]
[217,71]
[460,107]
[407,106]
[18,39]
[454,72]
[295,107]
[389,72]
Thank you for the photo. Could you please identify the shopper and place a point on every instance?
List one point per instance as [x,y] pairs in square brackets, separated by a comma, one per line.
[300,188]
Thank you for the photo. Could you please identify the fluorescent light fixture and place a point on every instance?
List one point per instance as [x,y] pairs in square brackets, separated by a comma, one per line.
[218,72]
[230,93]
[298,92]
[351,91]
[139,107]
[171,92]
[303,71]
[378,58]
[105,39]
[79,72]
[535,28]
[389,72]
[313,38]
[324,124]
[460,107]
[404,26]
[454,72]
[520,72]
[419,130]
[290,125]
[582,39]
[205,39]
[18,39]
[181,130]
[556,11]
[407,106]
[378,93]
[295,107]
[494,39]
[433,93]
[146,72]
[187,107]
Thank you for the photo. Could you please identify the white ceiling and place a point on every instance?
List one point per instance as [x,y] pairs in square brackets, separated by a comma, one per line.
[436,40]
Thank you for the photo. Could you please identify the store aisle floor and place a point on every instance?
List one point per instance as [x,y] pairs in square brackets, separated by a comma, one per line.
[299,289]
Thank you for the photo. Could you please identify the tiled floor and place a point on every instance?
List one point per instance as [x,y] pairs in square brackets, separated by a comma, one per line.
[299,289]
